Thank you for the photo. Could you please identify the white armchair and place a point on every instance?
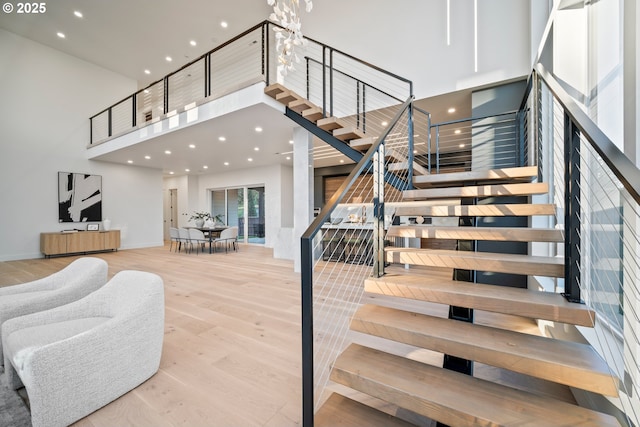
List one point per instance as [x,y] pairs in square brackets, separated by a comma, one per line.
[73,282]
[76,358]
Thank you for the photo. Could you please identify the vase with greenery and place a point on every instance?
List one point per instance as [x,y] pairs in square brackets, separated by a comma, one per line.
[199,218]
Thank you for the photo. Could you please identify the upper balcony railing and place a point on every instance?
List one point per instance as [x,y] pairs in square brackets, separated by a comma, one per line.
[343,85]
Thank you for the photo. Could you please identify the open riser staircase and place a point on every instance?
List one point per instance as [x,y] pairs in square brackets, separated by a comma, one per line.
[430,392]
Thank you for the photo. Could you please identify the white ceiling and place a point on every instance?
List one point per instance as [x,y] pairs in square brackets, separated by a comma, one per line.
[129,36]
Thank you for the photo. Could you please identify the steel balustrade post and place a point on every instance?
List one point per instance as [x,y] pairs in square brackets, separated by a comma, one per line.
[166,95]
[357,104]
[378,211]
[411,156]
[429,141]
[572,215]
[308,78]
[364,107]
[134,107]
[324,81]
[307,331]
[330,82]
[109,123]
[537,123]
[437,149]
[266,52]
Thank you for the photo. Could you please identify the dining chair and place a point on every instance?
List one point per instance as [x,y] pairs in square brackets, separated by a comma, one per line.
[197,237]
[228,236]
[174,236]
[184,239]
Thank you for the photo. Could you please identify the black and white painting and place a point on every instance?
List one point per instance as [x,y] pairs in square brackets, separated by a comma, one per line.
[79,197]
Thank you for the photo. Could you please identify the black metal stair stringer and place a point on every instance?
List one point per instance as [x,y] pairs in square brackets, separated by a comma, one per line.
[355,155]
[327,137]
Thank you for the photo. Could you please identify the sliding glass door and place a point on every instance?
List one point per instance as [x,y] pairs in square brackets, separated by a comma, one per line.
[242,207]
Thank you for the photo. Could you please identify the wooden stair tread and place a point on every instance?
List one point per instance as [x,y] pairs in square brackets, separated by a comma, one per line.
[564,362]
[287,97]
[497,299]
[483,261]
[348,133]
[362,144]
[330,123]
[419,209]
[402,166]
[478,191]
[340,411]
[506,174]
[453,398]
[301,105]
[512,234]
[313,114]
[274,89]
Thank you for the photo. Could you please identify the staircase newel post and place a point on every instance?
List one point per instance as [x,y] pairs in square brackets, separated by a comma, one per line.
[306,273]
[572,212]
[378,212]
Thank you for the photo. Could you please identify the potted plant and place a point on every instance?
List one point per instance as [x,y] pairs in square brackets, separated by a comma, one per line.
[199,218]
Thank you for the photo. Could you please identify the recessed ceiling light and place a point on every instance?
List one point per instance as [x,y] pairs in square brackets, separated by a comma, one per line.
[192,146]
[168,59]
[187,170]
[222,139]
[167,152]
[147,157]
[224,24]
[288,158]
[415,151]
[457,131]
[193,43]
[171,173]
[77,13]
[147,72]
[250,159]
[384,123]
[341,160]
[61,35]
[461,145]
[205,167]
[146,91]
[291,141]
[226,163]
[451,110]
[129,161]
[256,149]
[258,129]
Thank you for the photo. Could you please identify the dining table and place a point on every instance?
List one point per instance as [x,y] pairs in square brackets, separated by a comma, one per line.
[211,233]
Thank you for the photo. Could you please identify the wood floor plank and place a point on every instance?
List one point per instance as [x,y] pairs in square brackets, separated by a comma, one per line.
[478,191]
[505,174]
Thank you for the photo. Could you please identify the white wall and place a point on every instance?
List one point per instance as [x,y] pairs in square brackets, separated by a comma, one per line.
[47,99]
[409,38]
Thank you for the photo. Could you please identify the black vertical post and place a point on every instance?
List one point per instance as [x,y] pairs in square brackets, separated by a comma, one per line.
[134,108]
[307,331]
[411,156]
[207,75]
[324,81]
[364,108]
[330,82]
[166,95]
[91,130]
[572,211]
[357,103]
[109,122]
[265,51]
[308,78]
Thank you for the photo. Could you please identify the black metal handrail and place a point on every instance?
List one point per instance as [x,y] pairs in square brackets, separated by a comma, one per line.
[621,166]
[265,25]
[306,244]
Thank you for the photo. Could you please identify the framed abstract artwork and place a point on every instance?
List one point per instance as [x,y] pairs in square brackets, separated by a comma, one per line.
[79,197]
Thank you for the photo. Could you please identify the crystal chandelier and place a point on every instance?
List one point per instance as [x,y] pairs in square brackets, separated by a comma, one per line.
[286,13]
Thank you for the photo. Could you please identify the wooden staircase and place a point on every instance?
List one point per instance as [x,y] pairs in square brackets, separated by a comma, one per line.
[446,396]
[377,384]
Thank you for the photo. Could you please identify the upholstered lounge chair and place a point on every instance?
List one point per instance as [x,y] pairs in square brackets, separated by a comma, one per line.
[73,282]
[76,358]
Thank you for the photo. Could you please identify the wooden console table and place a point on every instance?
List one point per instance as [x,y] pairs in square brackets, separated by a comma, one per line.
[79,242]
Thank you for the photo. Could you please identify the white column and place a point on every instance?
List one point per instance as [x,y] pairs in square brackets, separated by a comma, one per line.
[302,187]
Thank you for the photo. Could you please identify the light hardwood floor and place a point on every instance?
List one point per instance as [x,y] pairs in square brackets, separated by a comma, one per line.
[231,354]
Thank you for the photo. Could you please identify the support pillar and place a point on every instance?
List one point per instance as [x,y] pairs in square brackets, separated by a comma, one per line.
[302,187]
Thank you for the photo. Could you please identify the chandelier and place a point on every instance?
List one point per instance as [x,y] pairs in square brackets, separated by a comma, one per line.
[286,13]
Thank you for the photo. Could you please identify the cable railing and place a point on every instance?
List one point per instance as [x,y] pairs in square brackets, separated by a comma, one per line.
[595,188]
[343,246]
[342,85]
